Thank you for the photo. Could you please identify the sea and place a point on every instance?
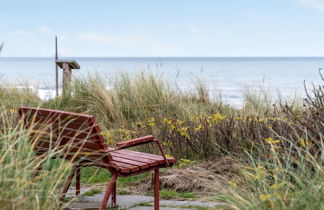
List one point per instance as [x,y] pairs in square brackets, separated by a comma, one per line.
[227,77]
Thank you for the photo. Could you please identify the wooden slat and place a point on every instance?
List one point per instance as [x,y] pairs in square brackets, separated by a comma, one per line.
[67,132]
[140,154]
[157,156]
[143,155]
[135,158]
[132,162]
[70,142]
[55,120]
[127,166]
[132,157]
[74,128]
[43,111]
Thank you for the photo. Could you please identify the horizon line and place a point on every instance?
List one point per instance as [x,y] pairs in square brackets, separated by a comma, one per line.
[163,56]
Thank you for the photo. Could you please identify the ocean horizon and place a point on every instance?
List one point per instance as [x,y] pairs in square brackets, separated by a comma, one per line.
[228,76]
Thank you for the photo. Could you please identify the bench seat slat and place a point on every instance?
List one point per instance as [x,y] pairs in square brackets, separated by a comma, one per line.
[132,162]
[140,154]
[135,158]
[132,168]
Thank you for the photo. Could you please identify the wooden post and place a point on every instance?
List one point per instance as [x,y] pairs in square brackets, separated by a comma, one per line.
[67,74]
[56,69]
[67,66]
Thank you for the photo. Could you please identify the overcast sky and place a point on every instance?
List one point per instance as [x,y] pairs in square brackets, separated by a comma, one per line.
[162,27]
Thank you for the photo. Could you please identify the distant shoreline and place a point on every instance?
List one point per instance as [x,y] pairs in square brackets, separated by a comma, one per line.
[169,57]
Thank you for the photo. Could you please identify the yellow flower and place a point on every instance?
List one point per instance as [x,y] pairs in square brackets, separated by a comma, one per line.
[232,184]
[180,122]
[304,142]
[167,121]
[200,127]
[259,173]
[217,117]
[270,140]
[151,122]
[166,143]
[12,111]
[172,127]
[238,118]
[265,197]
[184,132]
[277,186]
[139,124]
[110,141]
[185,162]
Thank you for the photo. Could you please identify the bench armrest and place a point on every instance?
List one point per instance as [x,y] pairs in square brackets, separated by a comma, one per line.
[135,142]
[140,141]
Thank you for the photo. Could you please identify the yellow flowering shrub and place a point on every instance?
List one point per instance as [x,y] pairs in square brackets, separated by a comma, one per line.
[270,140]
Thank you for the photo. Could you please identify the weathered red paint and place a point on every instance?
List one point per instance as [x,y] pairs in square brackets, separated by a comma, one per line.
[77,181]
[110,188]
[156,189]
[79,137]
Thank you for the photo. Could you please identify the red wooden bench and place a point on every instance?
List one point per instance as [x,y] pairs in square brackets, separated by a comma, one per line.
[77,137]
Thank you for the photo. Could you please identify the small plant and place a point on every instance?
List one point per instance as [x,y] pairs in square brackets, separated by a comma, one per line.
[167,194]
[92,192]
[123,192]
[187,195]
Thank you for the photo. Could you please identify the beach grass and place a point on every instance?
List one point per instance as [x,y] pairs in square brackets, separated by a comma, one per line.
[19,188]
[278,146]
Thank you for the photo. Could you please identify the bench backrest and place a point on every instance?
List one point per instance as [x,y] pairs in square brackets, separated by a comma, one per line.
[72,135]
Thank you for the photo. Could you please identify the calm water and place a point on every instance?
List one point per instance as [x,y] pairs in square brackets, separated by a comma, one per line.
[229,76]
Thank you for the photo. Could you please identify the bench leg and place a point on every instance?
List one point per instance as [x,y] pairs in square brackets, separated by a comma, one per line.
[156,190]
[111,185]
[113,196]
[67,184]
[77,181]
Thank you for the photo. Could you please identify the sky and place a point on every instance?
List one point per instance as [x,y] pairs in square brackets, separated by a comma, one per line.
[162,28]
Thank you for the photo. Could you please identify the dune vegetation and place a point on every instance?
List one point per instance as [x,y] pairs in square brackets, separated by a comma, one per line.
[277,149]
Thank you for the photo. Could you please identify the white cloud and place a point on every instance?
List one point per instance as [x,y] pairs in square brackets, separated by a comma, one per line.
[267,35]
[48,31]
[112,40]
[21,33]
[194,29]
[315,4]
[142,42]
[45,30]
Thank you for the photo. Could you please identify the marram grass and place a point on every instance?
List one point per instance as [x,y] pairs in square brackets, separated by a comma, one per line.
[19,189]
[279,146]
